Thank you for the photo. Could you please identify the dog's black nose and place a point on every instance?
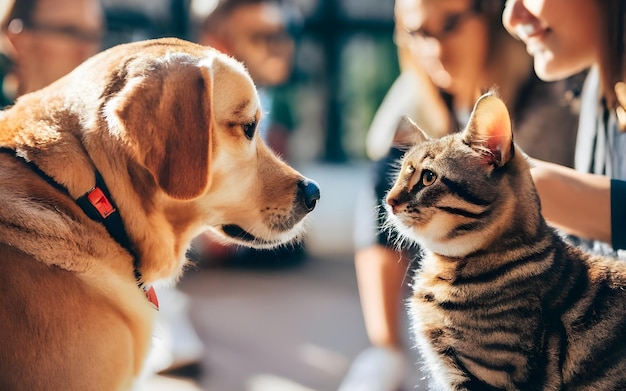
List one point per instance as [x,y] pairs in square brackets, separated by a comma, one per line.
[310,193]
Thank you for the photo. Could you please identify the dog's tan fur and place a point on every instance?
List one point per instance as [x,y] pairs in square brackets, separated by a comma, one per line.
[163,122]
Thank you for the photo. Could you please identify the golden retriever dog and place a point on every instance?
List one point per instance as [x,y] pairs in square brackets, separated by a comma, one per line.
[105,178]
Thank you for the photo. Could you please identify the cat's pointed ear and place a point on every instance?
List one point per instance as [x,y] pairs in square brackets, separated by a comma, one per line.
[408,133]
[489,130]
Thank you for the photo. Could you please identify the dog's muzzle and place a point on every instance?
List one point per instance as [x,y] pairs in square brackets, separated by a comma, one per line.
[305,200]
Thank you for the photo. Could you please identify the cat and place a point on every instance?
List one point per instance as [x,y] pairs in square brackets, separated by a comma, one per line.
[500,301]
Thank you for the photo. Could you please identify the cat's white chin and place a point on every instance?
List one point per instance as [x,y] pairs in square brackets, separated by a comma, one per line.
[457,248]
[428,238]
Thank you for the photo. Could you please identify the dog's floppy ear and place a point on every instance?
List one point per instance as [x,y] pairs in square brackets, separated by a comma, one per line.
[168,116]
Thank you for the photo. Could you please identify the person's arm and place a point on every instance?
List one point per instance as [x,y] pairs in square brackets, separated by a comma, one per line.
[578,203]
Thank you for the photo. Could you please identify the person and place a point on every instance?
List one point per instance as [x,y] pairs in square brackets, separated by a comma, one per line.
[563,38]
[450,52]
[259,33]
[44,40]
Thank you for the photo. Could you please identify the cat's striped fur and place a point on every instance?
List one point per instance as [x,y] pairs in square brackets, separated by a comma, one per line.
[500,301]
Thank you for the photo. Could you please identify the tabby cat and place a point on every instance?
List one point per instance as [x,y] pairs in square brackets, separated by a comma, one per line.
[500,302]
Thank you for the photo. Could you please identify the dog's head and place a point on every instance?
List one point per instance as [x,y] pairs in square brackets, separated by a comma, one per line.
[172,126]
[191,115]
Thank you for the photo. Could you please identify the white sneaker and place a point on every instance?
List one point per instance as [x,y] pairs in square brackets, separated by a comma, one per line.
[175,343]
[376,369]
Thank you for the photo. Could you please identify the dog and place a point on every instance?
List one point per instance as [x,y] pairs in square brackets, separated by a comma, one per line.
[105,178]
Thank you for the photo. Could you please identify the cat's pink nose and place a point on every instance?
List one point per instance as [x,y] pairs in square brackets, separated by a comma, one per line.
[393,202]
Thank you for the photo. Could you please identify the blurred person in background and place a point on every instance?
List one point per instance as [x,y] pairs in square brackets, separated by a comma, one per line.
[43,40]
[259,33]
[450,53]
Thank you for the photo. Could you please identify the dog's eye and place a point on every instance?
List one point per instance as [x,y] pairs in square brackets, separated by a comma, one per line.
[249,129]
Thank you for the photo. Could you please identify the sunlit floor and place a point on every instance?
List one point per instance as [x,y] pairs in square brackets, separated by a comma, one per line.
[293,329]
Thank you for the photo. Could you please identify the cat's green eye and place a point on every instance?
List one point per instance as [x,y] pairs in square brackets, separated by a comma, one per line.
[428,177]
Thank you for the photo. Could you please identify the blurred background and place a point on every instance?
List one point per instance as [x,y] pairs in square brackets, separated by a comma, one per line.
[344,63]
[345,60]
[296,326]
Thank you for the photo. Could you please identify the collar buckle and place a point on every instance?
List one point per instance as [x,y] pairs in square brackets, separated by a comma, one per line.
[100,202]
[152,297]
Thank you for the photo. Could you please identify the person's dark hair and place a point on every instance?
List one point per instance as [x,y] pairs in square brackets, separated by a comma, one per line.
[21,10]
[613,66]
[492,11]
[507,59]
[223,9]
[19,16]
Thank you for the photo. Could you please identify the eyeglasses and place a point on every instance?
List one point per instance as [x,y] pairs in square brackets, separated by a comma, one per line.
[270,39]
[450,25]
[92,37]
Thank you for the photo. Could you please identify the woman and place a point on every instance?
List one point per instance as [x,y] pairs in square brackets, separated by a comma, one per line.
[450,51]
[564,37]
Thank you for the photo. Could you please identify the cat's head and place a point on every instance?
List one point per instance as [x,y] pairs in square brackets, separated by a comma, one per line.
[462,192]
